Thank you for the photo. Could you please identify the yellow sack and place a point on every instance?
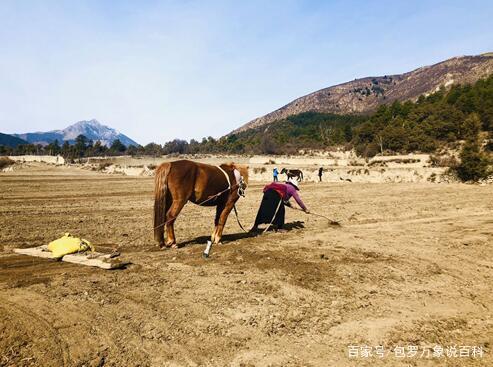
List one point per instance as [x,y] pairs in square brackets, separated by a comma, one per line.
[68,245]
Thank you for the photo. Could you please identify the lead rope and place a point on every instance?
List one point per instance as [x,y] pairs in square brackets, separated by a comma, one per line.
[274,216]
[238,219]
[241,192]
[170,220]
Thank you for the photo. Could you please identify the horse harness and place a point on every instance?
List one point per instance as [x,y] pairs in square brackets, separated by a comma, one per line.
[240,182]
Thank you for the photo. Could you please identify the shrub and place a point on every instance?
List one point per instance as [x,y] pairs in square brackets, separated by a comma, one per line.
[377,163]
[5,162]
[371,150]
[474,163]
[104,165]
[355,163]
[259,170]
[268,145]
[443,161]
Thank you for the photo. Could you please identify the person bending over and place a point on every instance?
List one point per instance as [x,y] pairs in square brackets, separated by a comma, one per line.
[276,196]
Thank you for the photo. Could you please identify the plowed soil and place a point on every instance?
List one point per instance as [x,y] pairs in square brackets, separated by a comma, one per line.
[411,265]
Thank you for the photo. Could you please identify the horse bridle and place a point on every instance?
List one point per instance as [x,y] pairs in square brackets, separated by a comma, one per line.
[241,187]
[240,182]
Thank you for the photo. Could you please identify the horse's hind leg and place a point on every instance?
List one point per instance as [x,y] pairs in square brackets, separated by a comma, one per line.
[162,241]
[173,211]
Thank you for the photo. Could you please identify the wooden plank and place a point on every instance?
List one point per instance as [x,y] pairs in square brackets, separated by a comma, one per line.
[40,251]
[97,259]
[103,261]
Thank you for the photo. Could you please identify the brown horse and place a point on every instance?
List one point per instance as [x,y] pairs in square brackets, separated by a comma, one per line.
[203,184]
[293,173]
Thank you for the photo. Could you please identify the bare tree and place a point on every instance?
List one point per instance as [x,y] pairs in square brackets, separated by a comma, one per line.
[380,143]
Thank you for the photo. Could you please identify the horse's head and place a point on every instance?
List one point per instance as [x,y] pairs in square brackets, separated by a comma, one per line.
[241,174]
[243,169]
[283,171]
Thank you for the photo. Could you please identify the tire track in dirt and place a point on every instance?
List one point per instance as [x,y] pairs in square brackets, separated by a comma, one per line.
[407,259]
[31,325]
[405,221]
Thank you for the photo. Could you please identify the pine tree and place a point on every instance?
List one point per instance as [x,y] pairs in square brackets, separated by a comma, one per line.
[117,146]
[474,163]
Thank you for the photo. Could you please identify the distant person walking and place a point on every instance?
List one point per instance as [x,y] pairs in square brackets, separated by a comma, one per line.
[320,173]
[275,173]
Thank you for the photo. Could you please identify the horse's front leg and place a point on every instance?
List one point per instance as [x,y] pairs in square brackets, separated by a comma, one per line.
[219,210]
[223,216]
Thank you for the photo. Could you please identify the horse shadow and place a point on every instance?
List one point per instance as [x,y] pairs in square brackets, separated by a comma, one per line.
[241,235]
[225,238]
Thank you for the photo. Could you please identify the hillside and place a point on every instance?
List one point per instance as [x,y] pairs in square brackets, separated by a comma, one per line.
[11,141]
[365,95]
[440,119]
[93,130]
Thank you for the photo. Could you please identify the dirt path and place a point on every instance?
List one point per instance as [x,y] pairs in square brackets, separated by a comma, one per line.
[412,265]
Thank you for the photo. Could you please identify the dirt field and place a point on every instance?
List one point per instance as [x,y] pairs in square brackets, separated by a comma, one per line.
[412,265]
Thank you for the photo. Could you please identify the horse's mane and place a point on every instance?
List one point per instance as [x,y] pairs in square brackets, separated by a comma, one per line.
[240,167]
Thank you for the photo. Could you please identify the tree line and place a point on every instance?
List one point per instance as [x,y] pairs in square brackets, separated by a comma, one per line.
[81,147]
[432,122]
[440,120]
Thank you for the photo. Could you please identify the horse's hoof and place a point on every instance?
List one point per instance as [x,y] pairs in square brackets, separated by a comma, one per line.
[170,245]
[174,246]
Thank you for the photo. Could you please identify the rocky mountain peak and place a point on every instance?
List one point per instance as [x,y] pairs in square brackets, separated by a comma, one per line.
[92,129]
[364,95]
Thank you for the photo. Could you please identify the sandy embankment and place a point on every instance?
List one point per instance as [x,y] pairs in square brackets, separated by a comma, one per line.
[342,166]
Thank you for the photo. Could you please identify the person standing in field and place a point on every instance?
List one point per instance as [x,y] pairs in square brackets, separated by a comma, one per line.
[275,173]
[276,196]
[320,173]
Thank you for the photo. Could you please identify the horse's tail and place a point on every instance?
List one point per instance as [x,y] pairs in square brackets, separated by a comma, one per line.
[160,192]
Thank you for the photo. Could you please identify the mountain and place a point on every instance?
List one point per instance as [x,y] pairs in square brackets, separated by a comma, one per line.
[364,95]
[11,141]
[92,129]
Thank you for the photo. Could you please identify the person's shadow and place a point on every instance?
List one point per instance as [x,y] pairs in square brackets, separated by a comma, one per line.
[200,240]
[297,224]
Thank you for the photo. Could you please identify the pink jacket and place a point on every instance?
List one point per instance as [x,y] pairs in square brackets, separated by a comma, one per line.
[286,191]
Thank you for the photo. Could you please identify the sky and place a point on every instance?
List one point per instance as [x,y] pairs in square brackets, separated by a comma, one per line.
[159,70]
